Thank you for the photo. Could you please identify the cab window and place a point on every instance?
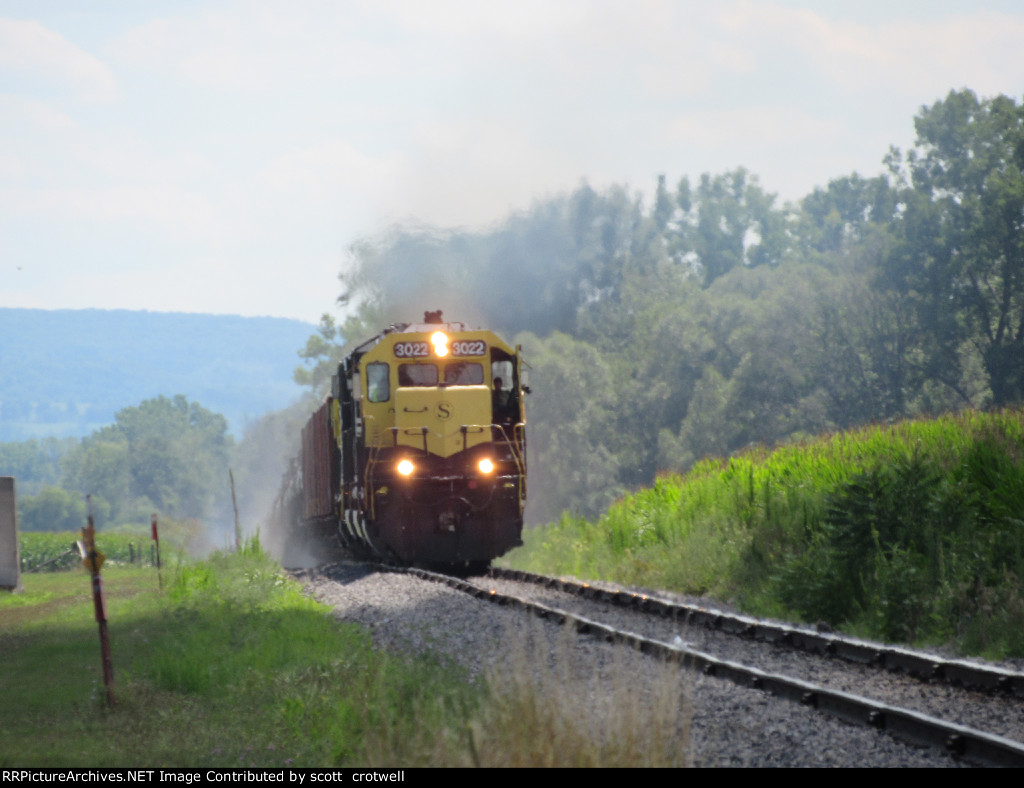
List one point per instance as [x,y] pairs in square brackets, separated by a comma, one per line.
[417,375]
[501,369]
[378,387]
[464,373]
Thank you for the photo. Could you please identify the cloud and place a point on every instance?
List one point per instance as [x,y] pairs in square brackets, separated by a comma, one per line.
[250,130]
[32,117]
[521,21]
[909,56]
[466,172]
[175,211]
[266,48]
[474,170]
[11,168]
[30,49]
[982,51]
[744,127]
[317,171]
[768,140]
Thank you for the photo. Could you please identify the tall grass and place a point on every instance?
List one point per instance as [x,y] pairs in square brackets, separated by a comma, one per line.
[231,665]
[611,717]
[540,710]
[911,532]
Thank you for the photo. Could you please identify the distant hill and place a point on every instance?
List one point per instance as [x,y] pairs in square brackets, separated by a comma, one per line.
[64,373]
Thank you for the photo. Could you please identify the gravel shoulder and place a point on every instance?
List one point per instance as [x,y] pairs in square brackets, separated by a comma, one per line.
[724,725]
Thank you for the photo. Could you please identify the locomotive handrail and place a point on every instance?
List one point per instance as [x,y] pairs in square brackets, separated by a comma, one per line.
[513,443]
[371,461]
[519,438]
[520,461]
[465,429]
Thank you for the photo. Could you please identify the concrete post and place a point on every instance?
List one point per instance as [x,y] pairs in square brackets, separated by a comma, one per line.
[10,562]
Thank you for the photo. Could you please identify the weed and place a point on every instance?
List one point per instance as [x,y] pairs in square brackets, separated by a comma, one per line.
[910,532]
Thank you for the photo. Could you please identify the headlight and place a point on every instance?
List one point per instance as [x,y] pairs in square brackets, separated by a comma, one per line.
[485,465]
[405,467]
[440,342]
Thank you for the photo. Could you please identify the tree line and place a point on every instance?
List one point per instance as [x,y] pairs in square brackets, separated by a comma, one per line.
[165,455]
[695,323]
[711,318]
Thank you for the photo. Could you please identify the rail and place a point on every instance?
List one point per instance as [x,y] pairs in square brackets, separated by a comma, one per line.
[956,740]
[925,667]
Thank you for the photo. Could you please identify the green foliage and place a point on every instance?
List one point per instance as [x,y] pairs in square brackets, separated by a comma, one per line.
[729,222]
[331,342]
[907,549]
[232,666]
[910,532]
[879,551]
[164,455]
[577,400]
[34,463]
[49,551]
[962,234]
[715,320]
[54,509]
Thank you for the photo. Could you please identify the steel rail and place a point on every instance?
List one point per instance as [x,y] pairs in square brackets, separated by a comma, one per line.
[923,666]
[909,726]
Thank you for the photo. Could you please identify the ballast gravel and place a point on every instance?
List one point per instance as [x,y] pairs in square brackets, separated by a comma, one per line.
[727,725]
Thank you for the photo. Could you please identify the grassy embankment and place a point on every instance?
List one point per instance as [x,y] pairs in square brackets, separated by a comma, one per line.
[912,532]
[230,665]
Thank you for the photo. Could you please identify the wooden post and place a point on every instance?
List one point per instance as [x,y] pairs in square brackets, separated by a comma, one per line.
[234,503]
[93,561]
[156,539]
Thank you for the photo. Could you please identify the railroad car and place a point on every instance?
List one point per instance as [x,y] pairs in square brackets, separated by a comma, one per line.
[419,453]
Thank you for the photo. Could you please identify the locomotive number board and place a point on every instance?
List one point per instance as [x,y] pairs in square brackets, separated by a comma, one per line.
[461,347]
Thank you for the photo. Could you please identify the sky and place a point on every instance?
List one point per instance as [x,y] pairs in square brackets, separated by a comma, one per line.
[223,156]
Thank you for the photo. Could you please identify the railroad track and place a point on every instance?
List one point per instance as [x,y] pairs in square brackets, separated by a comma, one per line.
[969,711]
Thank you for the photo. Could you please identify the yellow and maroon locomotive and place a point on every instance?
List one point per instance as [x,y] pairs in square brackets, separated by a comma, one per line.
[419,453]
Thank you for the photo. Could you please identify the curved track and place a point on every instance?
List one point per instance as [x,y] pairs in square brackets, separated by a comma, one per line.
[918,664]
[970,711]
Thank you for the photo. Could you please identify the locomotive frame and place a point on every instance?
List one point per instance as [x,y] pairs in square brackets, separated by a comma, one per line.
[418,455]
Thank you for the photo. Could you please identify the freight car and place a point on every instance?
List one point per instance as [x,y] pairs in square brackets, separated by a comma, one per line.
[418,456]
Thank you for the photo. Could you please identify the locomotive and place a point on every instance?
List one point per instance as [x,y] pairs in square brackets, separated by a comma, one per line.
[418,455]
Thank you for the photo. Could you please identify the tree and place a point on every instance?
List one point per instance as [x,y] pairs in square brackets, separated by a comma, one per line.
[325,349]
[574,400]
[727,223]
[963,227]
[835,220]
[54,509]
[100,466]
[35,462]
[164,454]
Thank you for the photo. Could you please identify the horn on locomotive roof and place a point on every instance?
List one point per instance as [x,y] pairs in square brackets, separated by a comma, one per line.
[432,317]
